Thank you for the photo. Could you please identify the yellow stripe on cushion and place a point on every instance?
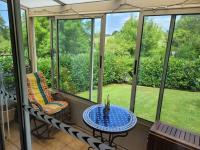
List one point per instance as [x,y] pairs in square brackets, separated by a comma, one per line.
[35,89]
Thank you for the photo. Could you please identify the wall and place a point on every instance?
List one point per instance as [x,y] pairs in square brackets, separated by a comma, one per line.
[136,139]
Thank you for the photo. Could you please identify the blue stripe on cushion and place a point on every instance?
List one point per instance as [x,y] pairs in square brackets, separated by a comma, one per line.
[55,103]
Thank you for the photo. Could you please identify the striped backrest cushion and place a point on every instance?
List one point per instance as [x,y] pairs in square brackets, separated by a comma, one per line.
[38,89]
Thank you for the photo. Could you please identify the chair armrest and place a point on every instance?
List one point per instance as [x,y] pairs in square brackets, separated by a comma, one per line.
[57,96]
[35,104]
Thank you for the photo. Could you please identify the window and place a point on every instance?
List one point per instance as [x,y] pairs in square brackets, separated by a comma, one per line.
[79,56]
[43,49]
[7,83]
[25,37]
[78,43]
[181,101]
[152,54]
[120,42]
[94,62]
[6,62]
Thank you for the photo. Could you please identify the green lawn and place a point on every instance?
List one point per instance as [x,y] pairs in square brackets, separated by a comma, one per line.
[180,108]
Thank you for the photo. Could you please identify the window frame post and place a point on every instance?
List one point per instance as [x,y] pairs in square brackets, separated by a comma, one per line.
[19,71]
[101,58]
[165,67]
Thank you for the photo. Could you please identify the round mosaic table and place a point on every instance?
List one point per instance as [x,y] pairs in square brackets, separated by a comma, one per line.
[116,122]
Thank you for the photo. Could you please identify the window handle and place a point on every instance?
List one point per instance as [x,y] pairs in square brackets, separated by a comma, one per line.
[135,67]
[100,61]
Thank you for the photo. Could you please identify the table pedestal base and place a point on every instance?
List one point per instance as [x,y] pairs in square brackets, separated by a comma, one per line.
[111,137]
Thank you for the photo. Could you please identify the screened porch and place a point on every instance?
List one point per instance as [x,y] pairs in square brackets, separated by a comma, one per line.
[141,56]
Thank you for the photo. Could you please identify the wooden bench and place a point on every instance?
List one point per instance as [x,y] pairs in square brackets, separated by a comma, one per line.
[166,137]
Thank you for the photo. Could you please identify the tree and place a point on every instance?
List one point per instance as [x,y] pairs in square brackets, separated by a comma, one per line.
[74,36]
[123,42]
[153,39]
[4,37]
[42,33]
[187,37]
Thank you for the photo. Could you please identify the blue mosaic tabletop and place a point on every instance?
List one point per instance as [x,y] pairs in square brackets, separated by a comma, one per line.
[117,119]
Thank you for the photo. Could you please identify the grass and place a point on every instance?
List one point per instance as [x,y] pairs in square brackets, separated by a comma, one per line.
[180,108]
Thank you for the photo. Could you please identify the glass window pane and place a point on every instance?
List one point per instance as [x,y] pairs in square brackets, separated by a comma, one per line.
[7,84]
[95,63]
[181,101]
[74,55]
[152,54]
[42,34]
[121,31]
[25,38]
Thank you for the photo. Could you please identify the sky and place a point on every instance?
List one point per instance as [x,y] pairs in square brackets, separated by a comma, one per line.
[4,13]
[115,21]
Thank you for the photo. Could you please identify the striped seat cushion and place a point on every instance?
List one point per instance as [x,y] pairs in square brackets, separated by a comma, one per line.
[38,89]
[54,107]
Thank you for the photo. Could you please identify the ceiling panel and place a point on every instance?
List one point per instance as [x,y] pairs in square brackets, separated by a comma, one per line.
[38,3]
[79,1]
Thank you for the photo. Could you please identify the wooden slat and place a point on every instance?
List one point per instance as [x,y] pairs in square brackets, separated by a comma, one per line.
[178,132]
[176,136]
[164,129]
[173,132]
[187,137]
[160,127]
[182,135]
[169,129]
[197,143]
[192,139]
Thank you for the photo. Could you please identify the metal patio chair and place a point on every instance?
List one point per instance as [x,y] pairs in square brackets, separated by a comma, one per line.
[51,103]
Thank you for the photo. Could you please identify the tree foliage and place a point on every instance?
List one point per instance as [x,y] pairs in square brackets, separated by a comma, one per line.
[4,37]
[187,37]
[74,36]
[42,33]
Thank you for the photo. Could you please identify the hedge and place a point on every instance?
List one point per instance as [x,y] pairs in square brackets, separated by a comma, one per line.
[74,71]
[181,74]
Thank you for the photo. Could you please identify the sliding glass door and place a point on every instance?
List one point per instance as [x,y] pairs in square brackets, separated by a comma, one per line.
[181,100]
[78,44]
[120,42]
[167,79]
[150,68]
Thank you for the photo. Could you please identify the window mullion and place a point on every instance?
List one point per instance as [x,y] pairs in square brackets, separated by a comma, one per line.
[164,74]
[137,56]
[57,55]
[91,59]
[101,58]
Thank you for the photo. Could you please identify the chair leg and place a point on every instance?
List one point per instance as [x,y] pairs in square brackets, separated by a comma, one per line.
[38,134]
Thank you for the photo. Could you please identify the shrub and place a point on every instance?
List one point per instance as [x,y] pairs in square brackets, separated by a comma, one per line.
[182,74]
[75,73]
[117,68]
[150,71]
[44,65]
[6,66]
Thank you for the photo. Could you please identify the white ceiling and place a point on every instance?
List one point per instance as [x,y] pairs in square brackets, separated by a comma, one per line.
[38,3]
[44,3]
[139,3]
